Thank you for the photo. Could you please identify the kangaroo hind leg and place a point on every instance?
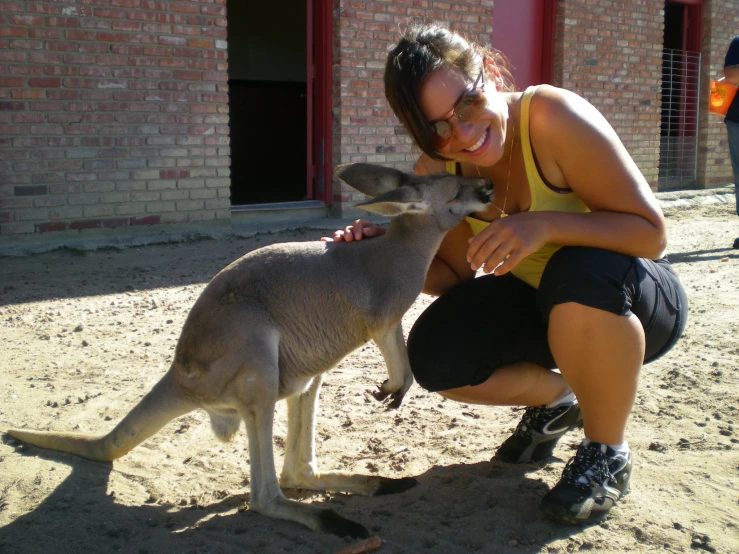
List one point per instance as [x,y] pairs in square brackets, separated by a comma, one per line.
[259,389]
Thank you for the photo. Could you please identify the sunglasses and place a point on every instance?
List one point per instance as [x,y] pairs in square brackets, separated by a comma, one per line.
[470,105]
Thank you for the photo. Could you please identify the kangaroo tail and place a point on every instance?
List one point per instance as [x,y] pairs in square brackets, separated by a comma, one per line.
[161,405]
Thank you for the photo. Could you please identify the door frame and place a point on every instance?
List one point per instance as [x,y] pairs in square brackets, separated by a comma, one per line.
[319,98]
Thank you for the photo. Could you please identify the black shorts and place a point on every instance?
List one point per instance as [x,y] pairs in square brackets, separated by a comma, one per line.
[492,321]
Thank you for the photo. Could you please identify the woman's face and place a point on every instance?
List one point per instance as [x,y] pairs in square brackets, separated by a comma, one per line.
[480,140]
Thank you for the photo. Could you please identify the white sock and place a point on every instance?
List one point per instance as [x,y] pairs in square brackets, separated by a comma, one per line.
[568,398]
[622,448]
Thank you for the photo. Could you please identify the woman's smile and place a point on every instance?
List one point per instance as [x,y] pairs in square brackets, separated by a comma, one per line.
[477,148]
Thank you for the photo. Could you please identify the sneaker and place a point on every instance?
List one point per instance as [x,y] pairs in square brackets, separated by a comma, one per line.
[538,432]
[591,484]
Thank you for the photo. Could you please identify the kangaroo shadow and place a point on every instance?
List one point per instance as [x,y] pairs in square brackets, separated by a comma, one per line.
[458,508]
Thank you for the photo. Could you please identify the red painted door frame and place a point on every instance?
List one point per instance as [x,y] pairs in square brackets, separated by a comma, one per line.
[549,29]
[524,31]
[319,99]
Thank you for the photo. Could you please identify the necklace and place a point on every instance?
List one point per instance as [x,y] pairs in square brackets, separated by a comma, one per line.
[508,178]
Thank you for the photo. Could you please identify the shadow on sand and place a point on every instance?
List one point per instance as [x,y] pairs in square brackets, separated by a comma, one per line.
[456,509]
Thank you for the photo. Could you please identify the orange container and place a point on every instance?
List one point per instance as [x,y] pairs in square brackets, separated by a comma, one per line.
[722,95]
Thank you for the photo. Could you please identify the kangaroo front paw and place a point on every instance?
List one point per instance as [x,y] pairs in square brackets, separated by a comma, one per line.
[397,395]
[333,523]
[382,391]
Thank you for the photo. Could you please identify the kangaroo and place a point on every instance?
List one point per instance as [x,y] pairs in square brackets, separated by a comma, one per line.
[271,323]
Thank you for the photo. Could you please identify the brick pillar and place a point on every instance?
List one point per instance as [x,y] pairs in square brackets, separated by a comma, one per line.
[610,52]
[113,114]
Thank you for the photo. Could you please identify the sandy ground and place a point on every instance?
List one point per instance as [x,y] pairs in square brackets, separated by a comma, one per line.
[85,334]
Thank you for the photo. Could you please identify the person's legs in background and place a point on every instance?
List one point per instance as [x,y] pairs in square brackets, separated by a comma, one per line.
[732,129]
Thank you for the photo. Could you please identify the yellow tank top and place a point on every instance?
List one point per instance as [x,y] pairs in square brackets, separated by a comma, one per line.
[543,199]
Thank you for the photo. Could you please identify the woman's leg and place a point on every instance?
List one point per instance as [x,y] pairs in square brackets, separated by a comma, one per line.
[608,314]
[517,384]
[600,355]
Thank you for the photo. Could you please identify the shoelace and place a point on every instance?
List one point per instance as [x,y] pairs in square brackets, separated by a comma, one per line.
[533,417]
[590,464]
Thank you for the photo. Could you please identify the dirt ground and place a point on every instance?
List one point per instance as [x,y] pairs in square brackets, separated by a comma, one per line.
[85,334]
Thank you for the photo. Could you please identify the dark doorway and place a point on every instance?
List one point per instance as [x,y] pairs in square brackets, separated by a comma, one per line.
[267,100]
[681,67]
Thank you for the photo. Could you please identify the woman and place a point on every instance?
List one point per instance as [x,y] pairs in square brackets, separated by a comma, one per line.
[566,252]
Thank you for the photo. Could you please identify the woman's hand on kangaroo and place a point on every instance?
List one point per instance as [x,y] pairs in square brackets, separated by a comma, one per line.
[358,230]
[506,241]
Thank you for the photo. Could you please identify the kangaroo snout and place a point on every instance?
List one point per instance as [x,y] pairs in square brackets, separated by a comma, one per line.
[485,192]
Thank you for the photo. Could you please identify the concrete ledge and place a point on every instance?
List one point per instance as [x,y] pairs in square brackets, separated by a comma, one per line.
[267,219]
[24,245]
[692,198]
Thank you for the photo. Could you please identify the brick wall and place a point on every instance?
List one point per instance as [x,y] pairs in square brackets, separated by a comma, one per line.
[610,52]
[365,128]
[721,18]
[113,114]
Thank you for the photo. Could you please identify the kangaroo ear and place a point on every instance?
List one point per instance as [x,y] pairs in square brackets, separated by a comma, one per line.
[370,179]
[396,202]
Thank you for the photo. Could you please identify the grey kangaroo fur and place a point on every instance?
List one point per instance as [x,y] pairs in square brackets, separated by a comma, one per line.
[270,324]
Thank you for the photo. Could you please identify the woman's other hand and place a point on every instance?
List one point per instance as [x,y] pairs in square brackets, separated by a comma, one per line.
[506,241]
[358,230]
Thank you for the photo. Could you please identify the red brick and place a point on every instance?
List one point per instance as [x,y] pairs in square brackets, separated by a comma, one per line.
[174,174]
[173,18]
[142,16]
[107,13]
[31,20]
[51,227]
[115,222]
[67,22]
[44,82]
[12,106]
[213,10]
[61,70]
[146,220]
[12,56]
[27,94]
[42,8]
[12,32]
[28,118]
[125,26]
[26,44]
[125,3]
[156,5]
[45,57]
[184,8]
[12,81]
[106,36]
[173,41]
[80,35]
[86,224]
[25,70]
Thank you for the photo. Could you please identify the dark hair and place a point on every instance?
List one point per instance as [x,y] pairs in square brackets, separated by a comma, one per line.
[423,49]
